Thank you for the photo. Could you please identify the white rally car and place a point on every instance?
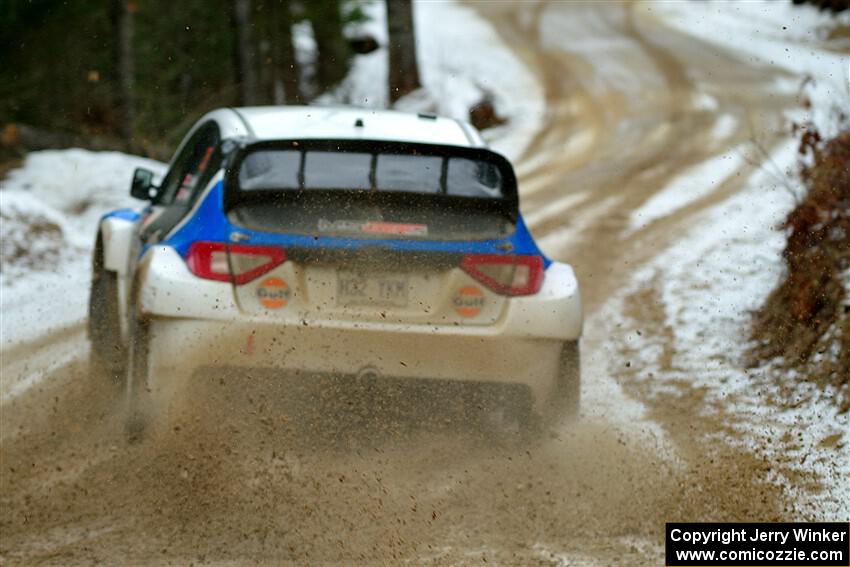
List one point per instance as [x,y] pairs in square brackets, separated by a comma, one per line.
[342,242]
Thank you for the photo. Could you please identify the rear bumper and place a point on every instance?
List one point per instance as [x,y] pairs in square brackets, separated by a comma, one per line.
[197,323]
[169,290]
[181,346]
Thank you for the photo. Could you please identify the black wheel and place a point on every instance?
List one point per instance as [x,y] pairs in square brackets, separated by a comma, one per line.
[137,385]
[107,355]
[567,399]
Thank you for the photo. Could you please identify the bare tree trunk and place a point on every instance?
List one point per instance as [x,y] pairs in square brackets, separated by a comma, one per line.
[246,74]
[286,61]
[332,48]
[403,68]
[122,22]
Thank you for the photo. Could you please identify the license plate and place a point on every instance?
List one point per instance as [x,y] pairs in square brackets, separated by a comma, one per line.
[355,288]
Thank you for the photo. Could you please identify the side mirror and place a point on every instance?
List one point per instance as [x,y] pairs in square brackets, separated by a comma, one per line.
[143,187]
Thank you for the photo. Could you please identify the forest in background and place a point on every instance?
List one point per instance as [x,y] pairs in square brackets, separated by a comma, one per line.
[135,74]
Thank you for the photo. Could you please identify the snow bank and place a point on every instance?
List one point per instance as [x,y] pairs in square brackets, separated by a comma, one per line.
[49,209]
[72,188]
[32,235]
[461,59]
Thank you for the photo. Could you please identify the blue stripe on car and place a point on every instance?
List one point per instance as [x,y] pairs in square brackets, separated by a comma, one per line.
[123,214]
[210,224]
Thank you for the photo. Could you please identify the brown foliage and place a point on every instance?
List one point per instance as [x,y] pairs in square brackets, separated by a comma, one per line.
[483,114]
[795,321]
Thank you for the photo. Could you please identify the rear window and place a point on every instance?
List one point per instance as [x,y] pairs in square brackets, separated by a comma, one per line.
[372,194]
[271,170]
[418,174]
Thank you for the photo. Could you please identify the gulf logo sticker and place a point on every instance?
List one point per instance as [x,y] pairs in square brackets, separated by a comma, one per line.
[273,293]
[469,301]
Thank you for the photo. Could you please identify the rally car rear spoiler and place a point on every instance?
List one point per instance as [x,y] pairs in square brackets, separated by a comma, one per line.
[507,204]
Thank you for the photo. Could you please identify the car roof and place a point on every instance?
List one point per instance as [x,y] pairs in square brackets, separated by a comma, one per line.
[349,123]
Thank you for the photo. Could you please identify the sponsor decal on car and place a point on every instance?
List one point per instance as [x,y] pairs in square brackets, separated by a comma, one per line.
[273,293]
[469,301]
[404,229]
[373,227]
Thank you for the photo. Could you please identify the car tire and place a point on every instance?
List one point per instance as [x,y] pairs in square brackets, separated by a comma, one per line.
[567,399]
[107,355]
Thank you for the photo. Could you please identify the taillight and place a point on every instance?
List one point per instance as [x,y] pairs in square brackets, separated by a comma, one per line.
[506,274]
[209,260]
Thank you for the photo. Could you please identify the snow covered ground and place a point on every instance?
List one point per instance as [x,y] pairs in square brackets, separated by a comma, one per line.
[688,187]
[49,209]
[709,283]
[713,278]
[777,34]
